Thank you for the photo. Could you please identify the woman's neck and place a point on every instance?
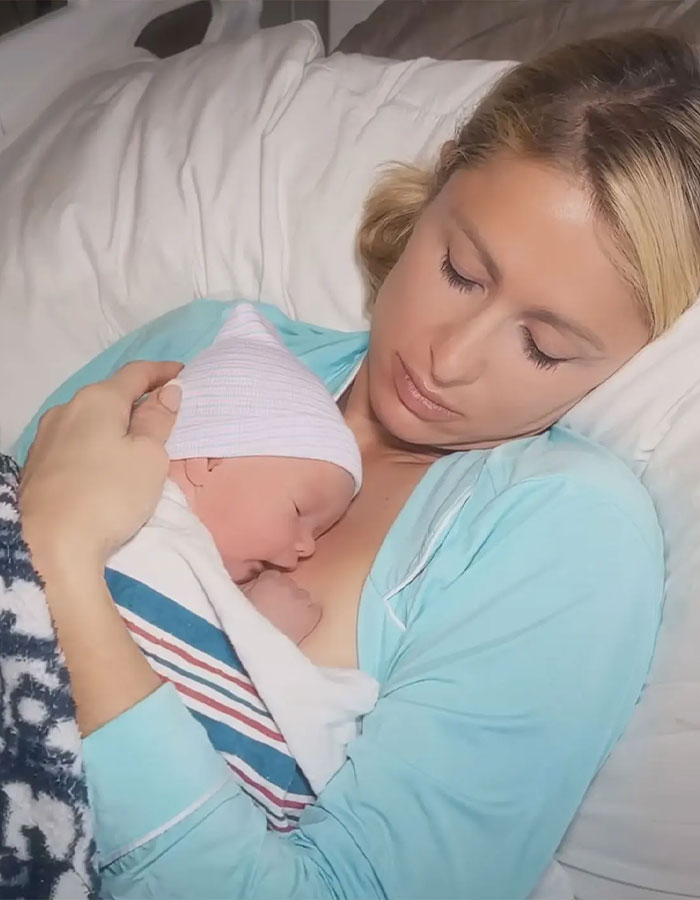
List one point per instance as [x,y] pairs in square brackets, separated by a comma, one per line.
[371,436]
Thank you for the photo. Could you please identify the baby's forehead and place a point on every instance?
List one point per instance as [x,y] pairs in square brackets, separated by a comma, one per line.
[312,478]
[316,481]
[295,470]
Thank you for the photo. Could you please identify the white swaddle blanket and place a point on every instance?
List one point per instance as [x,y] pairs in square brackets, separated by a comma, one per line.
[316,709]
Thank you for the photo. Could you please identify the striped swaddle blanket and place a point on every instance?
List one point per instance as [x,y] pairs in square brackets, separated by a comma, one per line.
[198,659]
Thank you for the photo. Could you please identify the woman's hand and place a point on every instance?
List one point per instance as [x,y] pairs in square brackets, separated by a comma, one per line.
[97,466]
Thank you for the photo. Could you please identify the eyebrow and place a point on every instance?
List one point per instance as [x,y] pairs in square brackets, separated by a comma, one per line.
[558,322]
[540,313]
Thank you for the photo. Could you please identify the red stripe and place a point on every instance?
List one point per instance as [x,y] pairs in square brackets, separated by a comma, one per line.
[183,654]
[222,707]
[281,802]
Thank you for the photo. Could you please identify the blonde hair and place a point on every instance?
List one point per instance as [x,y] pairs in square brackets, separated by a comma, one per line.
[622,113]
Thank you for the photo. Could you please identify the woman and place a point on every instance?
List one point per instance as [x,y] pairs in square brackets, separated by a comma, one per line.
[501,576]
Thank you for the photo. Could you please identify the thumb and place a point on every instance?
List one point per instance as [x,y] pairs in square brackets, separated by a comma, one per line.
[156,416]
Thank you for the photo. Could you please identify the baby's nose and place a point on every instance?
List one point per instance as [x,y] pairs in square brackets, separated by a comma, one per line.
[305,546]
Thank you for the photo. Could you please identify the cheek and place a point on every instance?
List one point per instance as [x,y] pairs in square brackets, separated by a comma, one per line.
[226,529]
[413,281]
[268,528]
[329,517]
[229,517]
[282,535]
[538,396]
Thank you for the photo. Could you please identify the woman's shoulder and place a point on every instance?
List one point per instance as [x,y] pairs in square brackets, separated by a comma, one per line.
[564,460]
[544,490]
[556,550]
[549,519]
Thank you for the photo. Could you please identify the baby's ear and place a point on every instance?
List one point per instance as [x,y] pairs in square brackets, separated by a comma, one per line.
[196,470]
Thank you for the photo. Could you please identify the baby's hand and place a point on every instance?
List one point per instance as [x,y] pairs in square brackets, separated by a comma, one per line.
[282,602]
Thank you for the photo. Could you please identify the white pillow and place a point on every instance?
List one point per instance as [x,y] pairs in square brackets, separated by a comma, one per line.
[241,172]
[640,823]
[136,191]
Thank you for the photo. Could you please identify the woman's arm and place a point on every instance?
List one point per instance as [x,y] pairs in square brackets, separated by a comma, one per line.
[512,685]
[108,672]
[92,478]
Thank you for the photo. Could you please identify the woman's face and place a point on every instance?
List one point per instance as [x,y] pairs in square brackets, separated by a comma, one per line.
[503,311]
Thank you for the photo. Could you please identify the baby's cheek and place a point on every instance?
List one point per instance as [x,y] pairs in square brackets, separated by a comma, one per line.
[280,526]
[285,533]
[229,539]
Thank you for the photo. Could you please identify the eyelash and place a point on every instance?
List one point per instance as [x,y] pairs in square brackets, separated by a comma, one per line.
[535,355]
[532,351]
[454,278]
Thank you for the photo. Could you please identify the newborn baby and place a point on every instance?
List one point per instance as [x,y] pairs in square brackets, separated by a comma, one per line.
[262,463]
[265,460]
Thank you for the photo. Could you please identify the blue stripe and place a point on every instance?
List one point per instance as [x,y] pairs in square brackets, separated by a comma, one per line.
[299,784]
[172,618]
[273,765]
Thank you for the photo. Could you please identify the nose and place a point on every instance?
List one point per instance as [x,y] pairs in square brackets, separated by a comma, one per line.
[458,352]
[306,545]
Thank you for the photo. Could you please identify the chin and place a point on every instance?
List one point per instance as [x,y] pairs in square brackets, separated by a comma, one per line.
[407,428]
[397,419]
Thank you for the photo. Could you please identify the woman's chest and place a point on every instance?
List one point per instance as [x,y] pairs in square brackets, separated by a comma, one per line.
[336,573]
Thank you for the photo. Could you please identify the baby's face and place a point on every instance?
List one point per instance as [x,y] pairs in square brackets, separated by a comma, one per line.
[270,510]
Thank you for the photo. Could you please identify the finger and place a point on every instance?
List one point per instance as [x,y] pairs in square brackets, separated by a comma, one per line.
[156,417]
[138,378]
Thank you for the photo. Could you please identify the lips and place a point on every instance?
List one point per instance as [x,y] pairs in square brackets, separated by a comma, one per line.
[416,397]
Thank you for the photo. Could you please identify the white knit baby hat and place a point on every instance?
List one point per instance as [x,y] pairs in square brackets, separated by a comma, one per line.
[247,395]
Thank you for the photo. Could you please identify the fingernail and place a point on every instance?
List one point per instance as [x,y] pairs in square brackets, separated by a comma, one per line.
[170,395]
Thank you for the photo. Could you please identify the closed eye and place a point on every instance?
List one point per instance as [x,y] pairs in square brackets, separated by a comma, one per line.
[454,278]
[533,353]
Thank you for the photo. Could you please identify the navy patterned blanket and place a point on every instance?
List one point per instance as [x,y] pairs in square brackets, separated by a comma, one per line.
[46,844]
